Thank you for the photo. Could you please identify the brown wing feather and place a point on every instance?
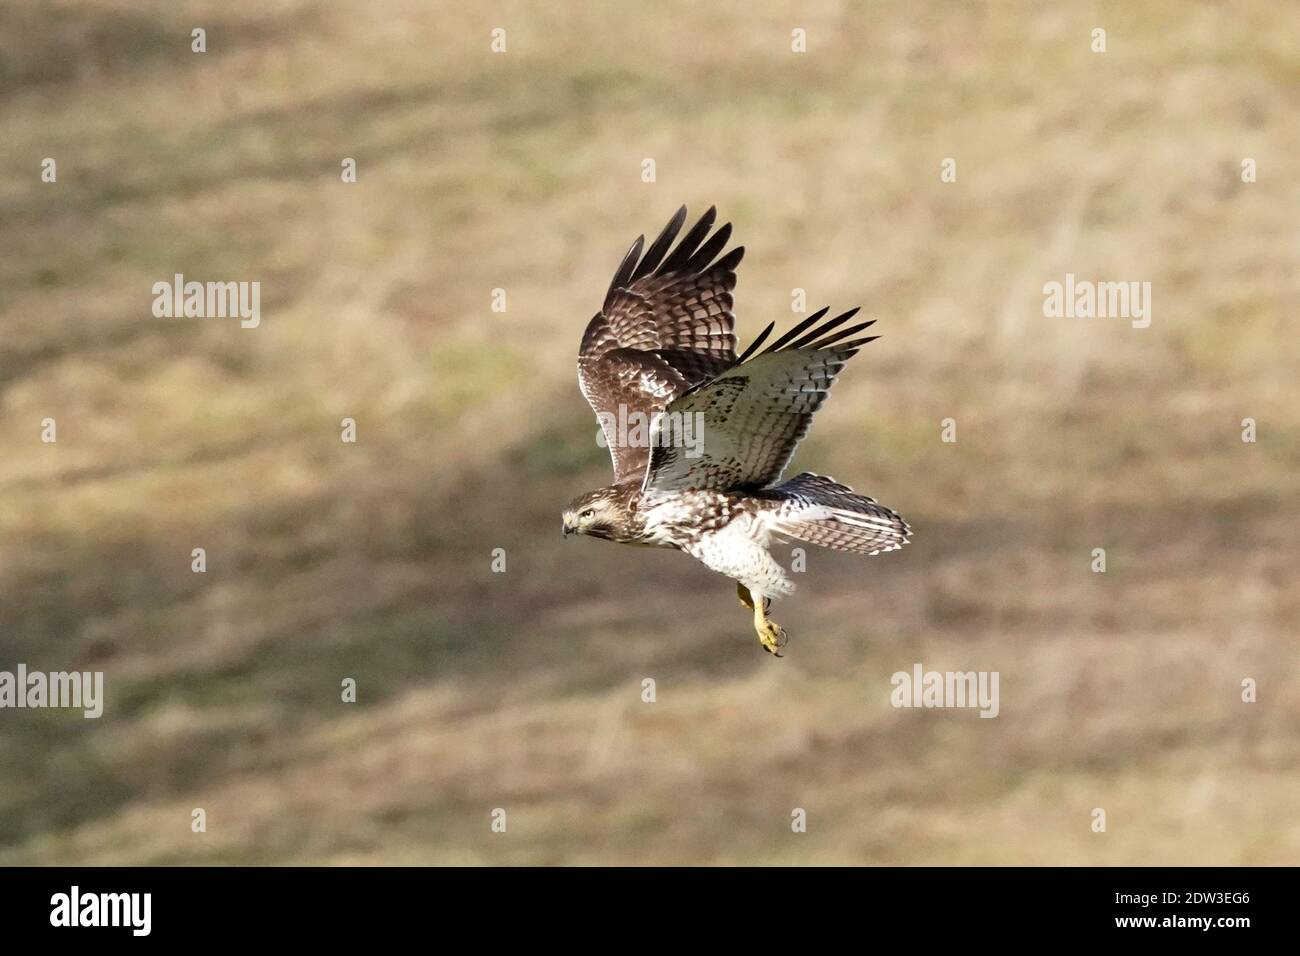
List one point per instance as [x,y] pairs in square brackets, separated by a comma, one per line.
[666,326]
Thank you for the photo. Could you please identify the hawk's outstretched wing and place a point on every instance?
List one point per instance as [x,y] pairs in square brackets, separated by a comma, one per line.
[756,412]
[666,326]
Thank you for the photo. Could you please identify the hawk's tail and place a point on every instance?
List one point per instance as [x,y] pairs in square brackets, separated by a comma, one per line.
[821,511]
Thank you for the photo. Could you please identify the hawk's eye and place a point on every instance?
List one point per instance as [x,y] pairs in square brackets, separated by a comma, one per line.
[586,514]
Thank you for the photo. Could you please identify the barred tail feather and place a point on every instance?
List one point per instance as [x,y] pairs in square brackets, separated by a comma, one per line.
[823,512]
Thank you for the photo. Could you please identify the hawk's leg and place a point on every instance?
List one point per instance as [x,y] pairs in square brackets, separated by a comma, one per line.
[743,593]
[770,634]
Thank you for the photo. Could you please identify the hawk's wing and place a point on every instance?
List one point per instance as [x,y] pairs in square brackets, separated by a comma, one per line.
[755,413]
[666,326]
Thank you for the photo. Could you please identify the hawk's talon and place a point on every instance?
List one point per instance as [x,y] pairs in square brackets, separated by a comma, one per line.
[773,638]
[771,635]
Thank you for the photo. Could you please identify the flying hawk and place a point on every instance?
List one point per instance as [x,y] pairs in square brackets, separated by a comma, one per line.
[663,347]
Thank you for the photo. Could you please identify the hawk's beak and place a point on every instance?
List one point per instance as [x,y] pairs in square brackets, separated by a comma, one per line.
[568,525]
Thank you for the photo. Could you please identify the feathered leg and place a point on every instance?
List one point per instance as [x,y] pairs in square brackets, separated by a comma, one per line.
[742,592]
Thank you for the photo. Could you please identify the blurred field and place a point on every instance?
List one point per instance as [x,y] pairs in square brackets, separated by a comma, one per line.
[522,690]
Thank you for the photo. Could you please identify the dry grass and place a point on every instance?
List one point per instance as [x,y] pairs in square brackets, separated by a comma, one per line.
[523,690]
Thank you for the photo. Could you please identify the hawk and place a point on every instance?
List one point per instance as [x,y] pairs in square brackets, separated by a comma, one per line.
[662,349]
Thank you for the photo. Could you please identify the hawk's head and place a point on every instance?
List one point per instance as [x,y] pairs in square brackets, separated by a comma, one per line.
[604,513]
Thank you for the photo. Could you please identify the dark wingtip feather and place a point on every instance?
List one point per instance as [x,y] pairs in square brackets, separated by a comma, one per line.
[686,248]
[732,258]
[753,346]
[624,272]
[856,343]
[693,253]
[824,329]
[704,255]
[852,330]
[797,330]
[660,246]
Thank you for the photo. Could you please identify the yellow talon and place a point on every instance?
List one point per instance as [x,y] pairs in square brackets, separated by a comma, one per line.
[770,634]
